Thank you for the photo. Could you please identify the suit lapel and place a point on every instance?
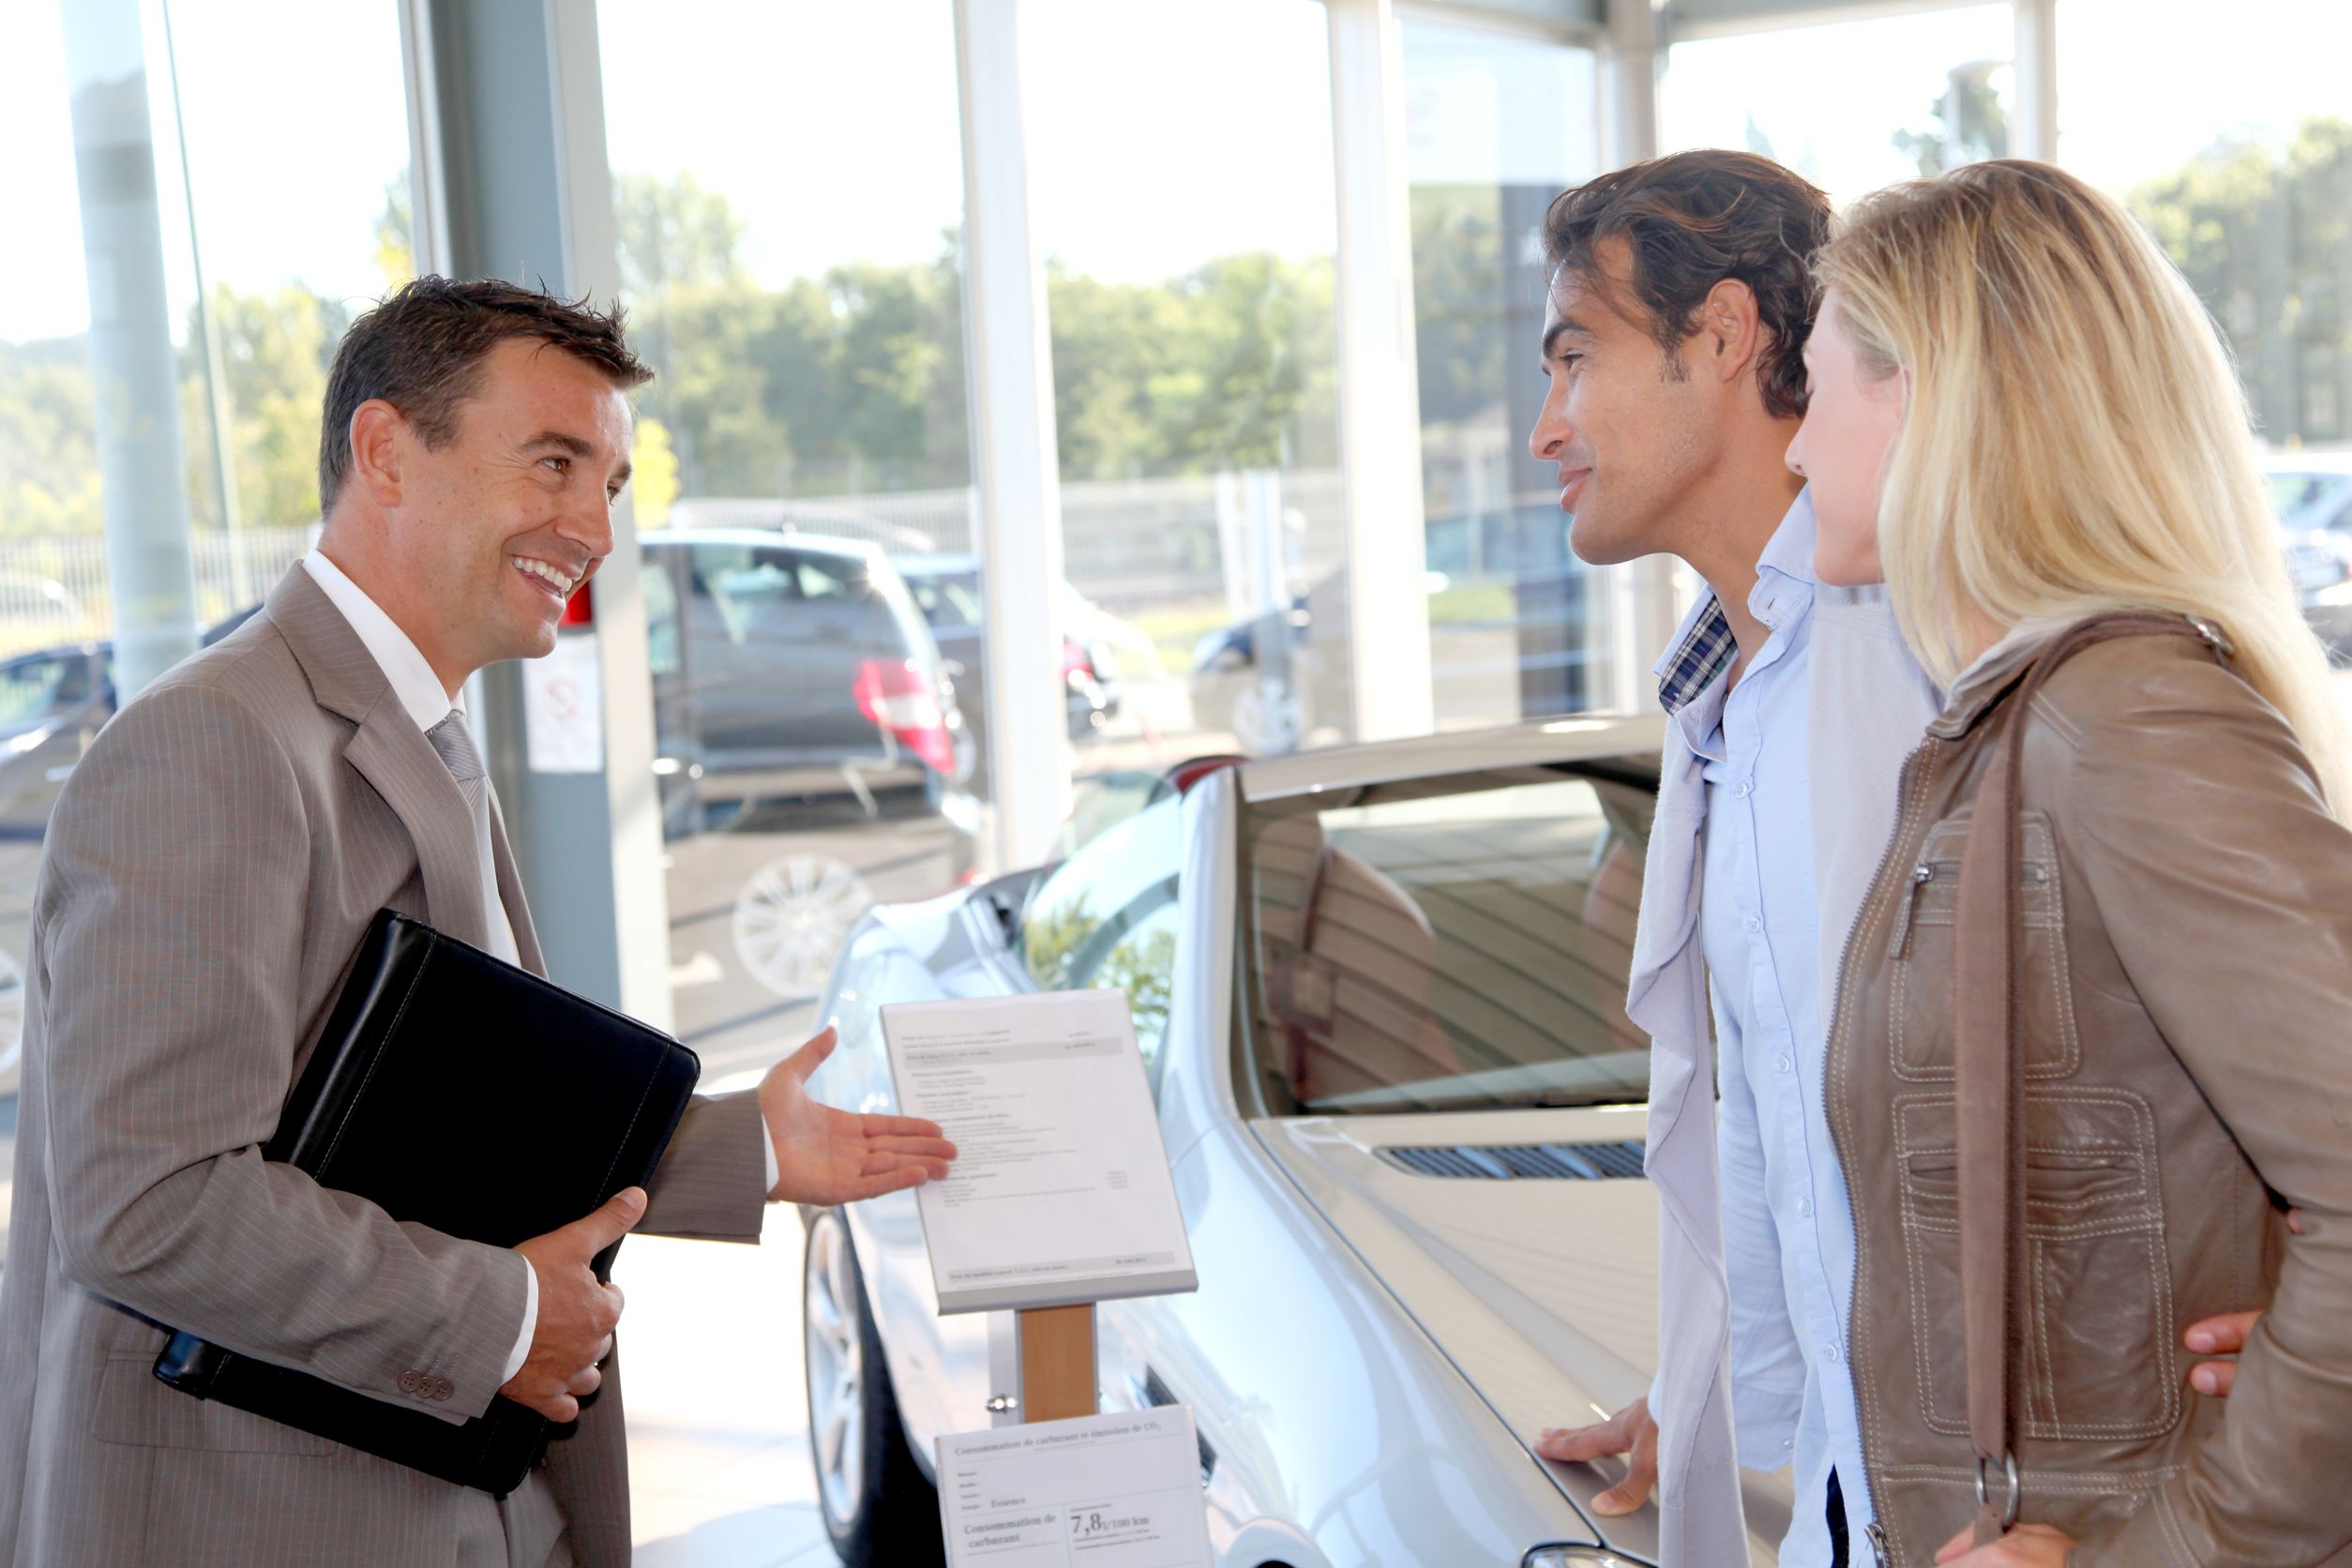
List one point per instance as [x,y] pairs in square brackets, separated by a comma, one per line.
[510,893]
[394,756]
[389,752]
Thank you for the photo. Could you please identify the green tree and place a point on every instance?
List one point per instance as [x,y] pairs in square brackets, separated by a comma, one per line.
[49,472]
[1971,121]
[2262,231]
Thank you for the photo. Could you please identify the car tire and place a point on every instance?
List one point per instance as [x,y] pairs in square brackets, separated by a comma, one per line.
[879,1510]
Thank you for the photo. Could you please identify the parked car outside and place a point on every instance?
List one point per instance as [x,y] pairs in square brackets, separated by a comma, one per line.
[1275,680]
[2311,489]
[53,704]
[788,667]
[1380,995]
[946,589]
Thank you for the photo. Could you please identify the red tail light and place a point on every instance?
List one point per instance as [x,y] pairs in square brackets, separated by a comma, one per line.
[895,696]
[1077,666]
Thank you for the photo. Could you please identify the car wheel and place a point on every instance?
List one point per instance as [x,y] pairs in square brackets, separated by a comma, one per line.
[792,917]
[879,1509]
[1270,714]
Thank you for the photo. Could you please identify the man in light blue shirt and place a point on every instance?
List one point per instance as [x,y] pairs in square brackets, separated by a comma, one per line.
[1680,301]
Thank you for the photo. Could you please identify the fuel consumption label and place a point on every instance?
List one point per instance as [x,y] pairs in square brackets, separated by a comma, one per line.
[1102,1491]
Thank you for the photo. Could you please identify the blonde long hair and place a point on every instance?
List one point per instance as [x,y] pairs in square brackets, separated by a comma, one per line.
[2075,438]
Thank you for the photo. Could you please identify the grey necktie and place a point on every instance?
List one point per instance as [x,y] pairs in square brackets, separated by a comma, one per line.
[455,742]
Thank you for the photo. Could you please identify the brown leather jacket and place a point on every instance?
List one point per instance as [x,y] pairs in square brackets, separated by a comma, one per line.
[2185,1003]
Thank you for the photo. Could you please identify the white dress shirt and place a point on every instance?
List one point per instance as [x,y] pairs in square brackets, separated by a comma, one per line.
[1867,705]
[428,702]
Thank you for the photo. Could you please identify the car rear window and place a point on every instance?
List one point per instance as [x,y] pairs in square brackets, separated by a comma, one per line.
[1449,944]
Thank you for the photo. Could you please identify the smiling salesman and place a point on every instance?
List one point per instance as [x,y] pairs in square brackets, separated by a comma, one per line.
[208,875]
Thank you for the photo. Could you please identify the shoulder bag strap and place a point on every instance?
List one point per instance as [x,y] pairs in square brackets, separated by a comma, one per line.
[1989,1069]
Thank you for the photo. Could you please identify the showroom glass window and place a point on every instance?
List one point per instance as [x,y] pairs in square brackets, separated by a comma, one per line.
[788,210]
[2238,159]
[2238,156]
[1182,192]
[1851,105]
[186,246]
[1495,126]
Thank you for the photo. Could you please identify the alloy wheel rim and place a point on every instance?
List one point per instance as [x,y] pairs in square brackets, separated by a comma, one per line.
[837,1370]
[791,918]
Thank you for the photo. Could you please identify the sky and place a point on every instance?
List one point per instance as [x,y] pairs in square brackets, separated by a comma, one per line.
[1159,137]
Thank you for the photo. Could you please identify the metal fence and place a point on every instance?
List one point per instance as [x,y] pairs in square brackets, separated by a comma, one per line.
[56,591]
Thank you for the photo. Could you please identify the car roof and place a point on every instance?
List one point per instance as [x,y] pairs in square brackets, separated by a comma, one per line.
[2336,461]
[813,544]
[1582,738]
[935,565]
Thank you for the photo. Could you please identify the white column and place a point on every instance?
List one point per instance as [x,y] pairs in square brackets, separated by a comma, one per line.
[510,180]
[1379,400]
[2037,122]
[641,891]
[1015,469]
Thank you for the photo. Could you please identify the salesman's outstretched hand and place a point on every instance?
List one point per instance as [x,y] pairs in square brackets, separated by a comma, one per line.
[827,1156]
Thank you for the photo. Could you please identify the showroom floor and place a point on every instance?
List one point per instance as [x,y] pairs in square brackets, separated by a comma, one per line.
[718,1421]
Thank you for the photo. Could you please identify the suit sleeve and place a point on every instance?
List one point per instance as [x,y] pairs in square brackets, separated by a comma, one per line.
[708,1185]
[168,955]
[2193,811]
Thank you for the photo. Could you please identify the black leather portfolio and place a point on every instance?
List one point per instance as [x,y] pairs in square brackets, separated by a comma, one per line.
[460,1093]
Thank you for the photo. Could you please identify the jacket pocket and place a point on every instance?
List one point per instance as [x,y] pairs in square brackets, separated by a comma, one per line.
[134,1409]
[1924,948]
[2097,1298]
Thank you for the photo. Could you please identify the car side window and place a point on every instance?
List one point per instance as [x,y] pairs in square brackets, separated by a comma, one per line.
[1142,963]
[31,688]
[1107,916]
[661,614]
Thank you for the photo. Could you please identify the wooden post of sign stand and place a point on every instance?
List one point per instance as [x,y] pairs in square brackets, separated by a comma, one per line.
[1056,1349]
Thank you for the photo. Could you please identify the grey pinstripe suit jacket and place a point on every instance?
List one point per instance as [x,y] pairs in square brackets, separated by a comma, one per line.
[209,871]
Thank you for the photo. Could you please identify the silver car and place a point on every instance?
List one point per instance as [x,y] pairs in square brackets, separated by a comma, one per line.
[1380,993]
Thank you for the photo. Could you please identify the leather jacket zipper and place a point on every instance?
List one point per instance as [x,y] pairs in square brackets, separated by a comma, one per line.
[1920,759]
[1926,873]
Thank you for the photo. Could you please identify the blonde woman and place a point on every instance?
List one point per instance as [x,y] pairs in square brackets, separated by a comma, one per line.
[2093,1034]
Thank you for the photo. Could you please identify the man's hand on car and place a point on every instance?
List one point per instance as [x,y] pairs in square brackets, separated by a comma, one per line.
[1630,1431]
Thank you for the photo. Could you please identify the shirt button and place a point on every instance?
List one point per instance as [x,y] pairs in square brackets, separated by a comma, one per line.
[1754,923]
[1829,1351]
[1745,789]
[1781,1063]
[1804,1208]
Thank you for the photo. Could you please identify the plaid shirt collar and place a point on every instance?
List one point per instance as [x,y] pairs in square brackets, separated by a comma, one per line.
[1706,651]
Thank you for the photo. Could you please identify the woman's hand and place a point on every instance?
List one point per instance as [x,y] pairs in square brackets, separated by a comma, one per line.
[2026,1547]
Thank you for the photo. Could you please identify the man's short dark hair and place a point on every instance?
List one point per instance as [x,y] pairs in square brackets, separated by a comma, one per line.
[421,350]
[1689,222]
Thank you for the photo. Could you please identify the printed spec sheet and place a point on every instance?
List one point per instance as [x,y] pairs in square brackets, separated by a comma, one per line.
[1060,1192]
[1102,1491]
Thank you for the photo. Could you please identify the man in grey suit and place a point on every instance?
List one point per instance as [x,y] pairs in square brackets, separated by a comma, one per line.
[209,872]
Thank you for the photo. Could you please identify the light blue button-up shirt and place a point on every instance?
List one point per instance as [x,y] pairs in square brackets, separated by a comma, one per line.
[1789,1233]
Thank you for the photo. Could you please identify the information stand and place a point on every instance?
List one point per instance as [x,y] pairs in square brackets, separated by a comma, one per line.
[1058,1366]
[1060,1198]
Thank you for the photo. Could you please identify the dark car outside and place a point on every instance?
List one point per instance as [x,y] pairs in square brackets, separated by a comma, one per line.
[1518,644]
[792,669]
[946,589]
